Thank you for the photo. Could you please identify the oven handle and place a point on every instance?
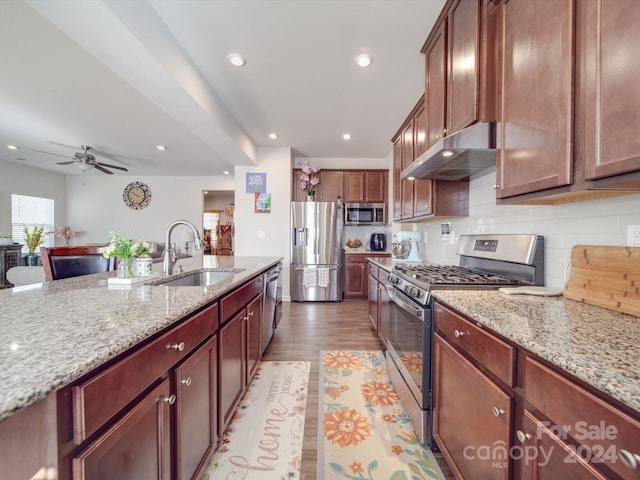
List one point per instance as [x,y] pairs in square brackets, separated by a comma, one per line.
[404,302]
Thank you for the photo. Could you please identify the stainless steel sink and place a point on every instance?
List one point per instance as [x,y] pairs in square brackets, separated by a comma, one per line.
[202,278]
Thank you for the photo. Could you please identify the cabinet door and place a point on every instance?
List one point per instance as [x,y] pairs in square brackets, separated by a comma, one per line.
[375,187]
[383,312]
[463,48]
[331,186]
[138,446]
[356,275]
[196,414]
[373,302]
[536,105]
[472,416]
[254,336]
[407,158]
[231,367]
[435,88]
[354,186]
[612,90]
[422,196]
[545,456]
[397,183]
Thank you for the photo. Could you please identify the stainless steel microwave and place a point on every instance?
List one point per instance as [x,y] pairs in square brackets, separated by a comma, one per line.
[364,214]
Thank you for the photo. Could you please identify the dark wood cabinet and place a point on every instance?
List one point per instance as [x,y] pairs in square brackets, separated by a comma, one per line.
[535,113]
[254,336]
[395,175]
[196,409]
[331,185]
[408,156]
[137,446]
[373,297]
[611,88]
[365,186]
[356,276]
[435,87]
[378,302]
[232,367]
[471,414]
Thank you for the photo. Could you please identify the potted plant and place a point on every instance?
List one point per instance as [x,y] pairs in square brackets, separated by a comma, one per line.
[66,233]
[309,180]
[126,250]
[6,239]
[33,239]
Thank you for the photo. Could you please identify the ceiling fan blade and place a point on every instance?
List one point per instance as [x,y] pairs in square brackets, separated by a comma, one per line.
[103,170]
[66,163]
[111,166]
[49,153]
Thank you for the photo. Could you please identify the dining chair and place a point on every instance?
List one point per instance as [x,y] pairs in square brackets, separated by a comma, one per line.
[65,262]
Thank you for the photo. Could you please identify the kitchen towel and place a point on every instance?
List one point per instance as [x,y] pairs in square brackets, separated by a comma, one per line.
[323,277]
[309,277]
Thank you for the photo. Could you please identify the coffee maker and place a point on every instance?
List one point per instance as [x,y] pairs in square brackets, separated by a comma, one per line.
[378,242]
[405,246]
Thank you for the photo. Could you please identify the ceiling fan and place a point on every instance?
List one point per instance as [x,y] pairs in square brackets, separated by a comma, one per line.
[85,161]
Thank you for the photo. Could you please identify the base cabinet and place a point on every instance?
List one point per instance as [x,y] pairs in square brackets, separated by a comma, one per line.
[138,446]
[472,416]
[254,336]
[232,367]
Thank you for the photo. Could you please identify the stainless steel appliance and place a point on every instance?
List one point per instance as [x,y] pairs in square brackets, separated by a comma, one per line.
[378,242]
[272,295]
[316,270]
[365,214]
[486,261]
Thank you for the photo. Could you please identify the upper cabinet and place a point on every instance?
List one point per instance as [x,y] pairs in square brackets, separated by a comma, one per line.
[568,106]
[536,107]
[460,80]
[365,186]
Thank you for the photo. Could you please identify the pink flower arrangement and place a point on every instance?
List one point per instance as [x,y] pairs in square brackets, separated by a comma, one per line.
[309,178]
[65,232]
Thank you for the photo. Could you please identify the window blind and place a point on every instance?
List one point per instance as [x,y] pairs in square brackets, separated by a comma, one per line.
[27,211]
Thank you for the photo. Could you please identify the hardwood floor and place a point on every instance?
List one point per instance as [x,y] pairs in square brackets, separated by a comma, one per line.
[305,330]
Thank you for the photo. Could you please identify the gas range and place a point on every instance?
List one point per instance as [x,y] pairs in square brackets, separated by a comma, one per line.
[486,261]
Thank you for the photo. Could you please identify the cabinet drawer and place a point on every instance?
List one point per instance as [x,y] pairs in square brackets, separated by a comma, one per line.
[230,304]
[373,270]
[98,399]
[494,354]
[602,429]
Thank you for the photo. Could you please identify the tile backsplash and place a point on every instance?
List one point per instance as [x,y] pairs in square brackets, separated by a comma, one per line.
[595,222]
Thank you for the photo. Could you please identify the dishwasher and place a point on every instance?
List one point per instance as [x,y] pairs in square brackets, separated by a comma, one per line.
[272,306]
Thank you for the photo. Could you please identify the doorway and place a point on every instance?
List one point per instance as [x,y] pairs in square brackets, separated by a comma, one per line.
[218,210]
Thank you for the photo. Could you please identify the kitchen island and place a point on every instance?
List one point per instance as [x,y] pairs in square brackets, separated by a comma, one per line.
[57,332]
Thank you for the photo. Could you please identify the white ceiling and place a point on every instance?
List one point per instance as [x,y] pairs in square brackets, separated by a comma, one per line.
[124,76]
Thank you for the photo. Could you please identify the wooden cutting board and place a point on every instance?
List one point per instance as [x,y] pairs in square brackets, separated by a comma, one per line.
[608,277]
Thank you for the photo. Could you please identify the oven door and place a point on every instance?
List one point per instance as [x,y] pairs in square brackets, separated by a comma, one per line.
[409,343]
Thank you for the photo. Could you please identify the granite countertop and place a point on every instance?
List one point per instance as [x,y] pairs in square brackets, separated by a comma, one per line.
[362,250]
[596,345]
[55,332]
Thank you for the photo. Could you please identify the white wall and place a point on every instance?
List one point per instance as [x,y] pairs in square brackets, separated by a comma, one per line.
[597,222]
[25,180]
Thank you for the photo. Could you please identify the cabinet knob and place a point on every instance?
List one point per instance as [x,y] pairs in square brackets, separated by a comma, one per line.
[176,346]
[495,186]
[444,132]
[458,333]
[523,437]
[498,412]
[170,400]
[629,459]
[186,381]
[250,314]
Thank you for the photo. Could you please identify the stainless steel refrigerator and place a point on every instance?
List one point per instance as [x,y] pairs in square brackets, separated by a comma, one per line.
[316,247]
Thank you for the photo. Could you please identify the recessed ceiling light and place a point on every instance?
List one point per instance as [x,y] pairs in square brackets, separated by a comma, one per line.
[12,147]
[273,136]
[226,172]
[237,60]
[447,153]
[364,60]
[346,136]
[161,147]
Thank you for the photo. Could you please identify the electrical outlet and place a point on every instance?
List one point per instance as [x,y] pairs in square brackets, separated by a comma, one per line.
[633,235]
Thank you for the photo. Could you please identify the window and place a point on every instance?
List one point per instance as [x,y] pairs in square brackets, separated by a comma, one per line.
[29,212]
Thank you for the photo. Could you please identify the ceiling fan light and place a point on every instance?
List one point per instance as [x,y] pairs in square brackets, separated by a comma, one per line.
[85,167]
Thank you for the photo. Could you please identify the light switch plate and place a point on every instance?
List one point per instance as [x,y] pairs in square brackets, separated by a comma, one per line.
[633,235]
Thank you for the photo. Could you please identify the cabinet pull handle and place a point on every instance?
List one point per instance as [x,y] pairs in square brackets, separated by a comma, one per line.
[250,314]
[495,186]
[176,346]
[629,459]
[523,437]
[170,400]
[498,412]
[186,381]
[459,333]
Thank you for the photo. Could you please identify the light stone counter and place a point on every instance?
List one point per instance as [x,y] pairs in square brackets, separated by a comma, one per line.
[53,333]
[597,345]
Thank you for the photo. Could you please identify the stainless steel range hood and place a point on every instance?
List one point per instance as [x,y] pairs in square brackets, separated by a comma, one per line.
[459,156]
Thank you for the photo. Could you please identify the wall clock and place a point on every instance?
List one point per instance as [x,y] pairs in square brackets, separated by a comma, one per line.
[136,195]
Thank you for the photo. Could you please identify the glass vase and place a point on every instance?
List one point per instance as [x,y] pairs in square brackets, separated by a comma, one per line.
[125,267]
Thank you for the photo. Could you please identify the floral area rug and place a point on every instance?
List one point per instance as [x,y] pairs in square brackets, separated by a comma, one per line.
[264,438]
[363,431]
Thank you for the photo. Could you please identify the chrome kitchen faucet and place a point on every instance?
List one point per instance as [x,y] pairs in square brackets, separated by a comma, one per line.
[169,255]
